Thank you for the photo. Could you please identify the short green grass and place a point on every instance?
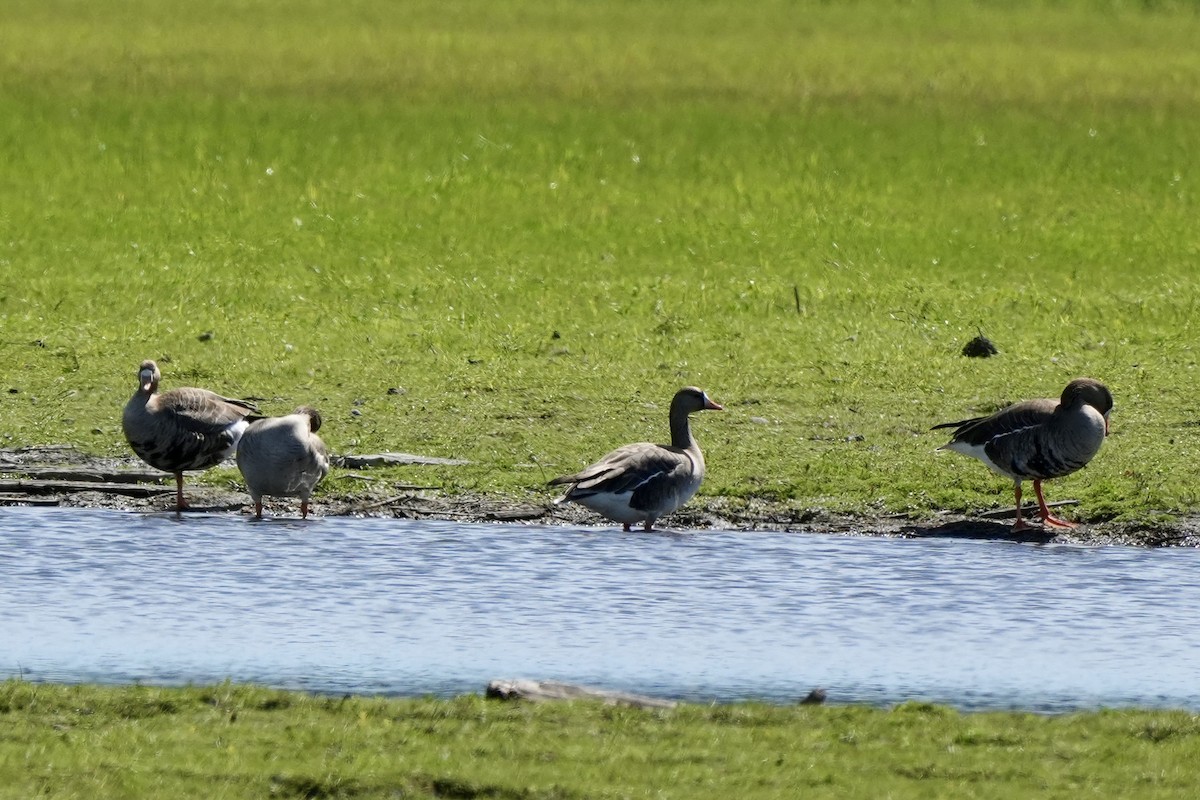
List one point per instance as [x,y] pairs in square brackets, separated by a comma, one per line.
[235,741]
[537,220]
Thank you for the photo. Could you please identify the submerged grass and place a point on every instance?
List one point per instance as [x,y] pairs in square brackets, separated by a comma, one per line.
[237,741]
[533,222]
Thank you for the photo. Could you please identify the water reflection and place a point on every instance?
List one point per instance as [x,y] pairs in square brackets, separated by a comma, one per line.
[416,607]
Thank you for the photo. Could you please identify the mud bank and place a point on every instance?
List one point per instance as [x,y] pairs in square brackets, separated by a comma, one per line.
[59,475]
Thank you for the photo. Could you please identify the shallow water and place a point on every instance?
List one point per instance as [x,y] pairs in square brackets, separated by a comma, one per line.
[403,607]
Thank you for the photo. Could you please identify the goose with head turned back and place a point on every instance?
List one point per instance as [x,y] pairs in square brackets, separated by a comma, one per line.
[1038,439]
[182,429]
[283,457]
[642,482]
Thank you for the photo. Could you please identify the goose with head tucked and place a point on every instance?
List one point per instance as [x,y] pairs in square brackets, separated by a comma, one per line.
[1038,439]
[182,429]
[283,457]
[643,482]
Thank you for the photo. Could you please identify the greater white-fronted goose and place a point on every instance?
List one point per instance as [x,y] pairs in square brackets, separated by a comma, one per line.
[1038,439]
[642,482]
[182,429]
[283,457]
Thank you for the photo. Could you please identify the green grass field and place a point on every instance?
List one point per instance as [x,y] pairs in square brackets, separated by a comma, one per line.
[537,220]
[235,742]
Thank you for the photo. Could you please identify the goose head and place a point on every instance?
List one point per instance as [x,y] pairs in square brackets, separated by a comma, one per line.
[690,399]
[1088,392]
[314,417]
[148,377]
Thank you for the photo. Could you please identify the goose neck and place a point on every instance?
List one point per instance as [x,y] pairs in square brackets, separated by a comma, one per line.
[681,431]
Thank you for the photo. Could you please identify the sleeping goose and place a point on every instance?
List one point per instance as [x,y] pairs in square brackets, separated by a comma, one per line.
[181,429]
[283,457]
[1038,439]
[642,482]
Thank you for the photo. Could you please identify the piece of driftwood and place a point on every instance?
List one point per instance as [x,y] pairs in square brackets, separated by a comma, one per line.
[387,501]
[1030,509]
[542,691]
[86,474]
[36,448]
[387,459]
[71,487]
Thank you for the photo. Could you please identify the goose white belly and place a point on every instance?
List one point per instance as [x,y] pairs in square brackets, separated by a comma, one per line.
[979,451]
[612,506]
[616,505]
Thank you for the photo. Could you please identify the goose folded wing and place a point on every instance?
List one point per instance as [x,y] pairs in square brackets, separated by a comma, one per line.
[1022,416]
[661,488]
[633,468]
[201,411]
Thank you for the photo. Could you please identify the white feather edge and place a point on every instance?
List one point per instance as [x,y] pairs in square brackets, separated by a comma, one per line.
[977,451]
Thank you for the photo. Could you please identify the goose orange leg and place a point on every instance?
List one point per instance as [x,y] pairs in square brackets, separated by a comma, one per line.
[1044,510]
[1021,524]
[180,503]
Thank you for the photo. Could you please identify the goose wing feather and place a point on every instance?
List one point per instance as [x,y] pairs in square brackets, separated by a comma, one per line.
[204,412]
[646,471]
[979,431]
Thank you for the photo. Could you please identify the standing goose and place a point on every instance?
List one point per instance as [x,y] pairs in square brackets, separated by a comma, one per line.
[1038,439]
[642,482]
[283,457]
[182,429]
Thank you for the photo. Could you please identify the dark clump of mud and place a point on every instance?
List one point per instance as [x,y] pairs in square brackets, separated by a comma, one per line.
[59,475]
[980,347]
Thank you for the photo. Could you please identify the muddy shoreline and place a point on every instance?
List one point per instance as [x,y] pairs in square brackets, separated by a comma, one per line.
[59,475]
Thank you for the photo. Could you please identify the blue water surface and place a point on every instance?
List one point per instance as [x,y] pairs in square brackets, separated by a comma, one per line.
[417,607]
